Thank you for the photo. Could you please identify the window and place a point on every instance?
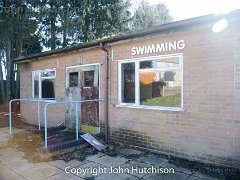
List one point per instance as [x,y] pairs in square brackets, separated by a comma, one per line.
[88,78]
[43,84]
[35,85]
[128,82]
[73,79]
[153,81]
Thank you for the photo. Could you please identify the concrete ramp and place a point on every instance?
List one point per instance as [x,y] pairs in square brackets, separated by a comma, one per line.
[94,142]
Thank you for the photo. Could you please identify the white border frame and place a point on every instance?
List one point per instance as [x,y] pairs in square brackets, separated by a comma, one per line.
[99,84]
[77,66]
[40,80]
[86,87]
[67,79]
[137,90]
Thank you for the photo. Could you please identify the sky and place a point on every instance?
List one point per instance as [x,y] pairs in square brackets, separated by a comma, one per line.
[184,9]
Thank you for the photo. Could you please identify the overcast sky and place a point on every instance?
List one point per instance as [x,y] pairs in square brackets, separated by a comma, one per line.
[183,9]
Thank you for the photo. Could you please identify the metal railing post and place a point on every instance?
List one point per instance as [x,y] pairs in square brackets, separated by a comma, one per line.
[77,114]
[76,121]
[39,118]
[45,125]
[10,117]
[27,99]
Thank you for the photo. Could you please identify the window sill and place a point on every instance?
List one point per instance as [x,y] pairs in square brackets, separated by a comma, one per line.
[152,107]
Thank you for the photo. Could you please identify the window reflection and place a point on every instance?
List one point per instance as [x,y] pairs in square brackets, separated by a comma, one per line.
[160,82]
[128,82]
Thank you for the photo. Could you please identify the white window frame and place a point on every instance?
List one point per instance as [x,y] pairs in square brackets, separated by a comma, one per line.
[87,68]
[68,76]
[69,70]
[40,81]
[120,82]
[137,84]
[95,75]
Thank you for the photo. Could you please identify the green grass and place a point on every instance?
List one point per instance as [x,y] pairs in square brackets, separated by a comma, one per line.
[169,101]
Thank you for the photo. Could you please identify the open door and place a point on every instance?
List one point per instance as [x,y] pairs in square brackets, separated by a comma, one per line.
[83,84]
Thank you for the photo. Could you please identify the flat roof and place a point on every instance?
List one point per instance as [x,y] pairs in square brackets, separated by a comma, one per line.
[176,26]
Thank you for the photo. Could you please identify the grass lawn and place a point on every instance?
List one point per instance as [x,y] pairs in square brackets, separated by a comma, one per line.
[169,101]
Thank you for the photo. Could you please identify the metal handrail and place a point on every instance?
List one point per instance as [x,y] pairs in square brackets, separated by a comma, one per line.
[28,99]
[66,102]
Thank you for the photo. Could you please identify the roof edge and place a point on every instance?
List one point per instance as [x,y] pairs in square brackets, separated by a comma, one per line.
[177,25]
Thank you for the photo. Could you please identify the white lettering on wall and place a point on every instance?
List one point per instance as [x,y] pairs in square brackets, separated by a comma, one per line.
[172,46]
[158,48]
[140,49]
[134,51]
[150,49]
[181,44]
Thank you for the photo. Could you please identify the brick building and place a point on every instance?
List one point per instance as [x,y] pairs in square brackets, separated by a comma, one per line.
[172,89]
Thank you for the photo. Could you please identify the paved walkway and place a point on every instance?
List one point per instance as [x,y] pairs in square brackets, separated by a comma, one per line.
[99,166]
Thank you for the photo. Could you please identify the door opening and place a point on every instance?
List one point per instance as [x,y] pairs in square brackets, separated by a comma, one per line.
[83,84]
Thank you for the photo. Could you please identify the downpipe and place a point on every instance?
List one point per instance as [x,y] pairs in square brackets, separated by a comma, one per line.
[106,100]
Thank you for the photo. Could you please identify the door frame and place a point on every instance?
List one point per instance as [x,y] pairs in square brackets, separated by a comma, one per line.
[99,82]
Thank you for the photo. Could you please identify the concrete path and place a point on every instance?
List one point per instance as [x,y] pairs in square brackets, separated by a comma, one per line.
[99,166]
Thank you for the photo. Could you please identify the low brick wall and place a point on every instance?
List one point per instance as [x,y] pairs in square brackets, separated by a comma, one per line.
[141,140]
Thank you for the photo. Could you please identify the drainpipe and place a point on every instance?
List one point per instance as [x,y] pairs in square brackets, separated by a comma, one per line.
[106,77]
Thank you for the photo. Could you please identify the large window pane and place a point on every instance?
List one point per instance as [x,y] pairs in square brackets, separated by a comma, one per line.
[48,88]
[160,88]
[128,82]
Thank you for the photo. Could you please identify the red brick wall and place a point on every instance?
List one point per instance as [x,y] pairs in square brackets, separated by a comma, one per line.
[208,128]
[56,113]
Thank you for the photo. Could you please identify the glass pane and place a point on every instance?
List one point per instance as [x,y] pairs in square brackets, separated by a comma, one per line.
[47,73]
[88,78]
[128,82]
[146,64]
[73,79]
[36,88]
[36,85]
[48,88]
[161,63]
[160,88]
